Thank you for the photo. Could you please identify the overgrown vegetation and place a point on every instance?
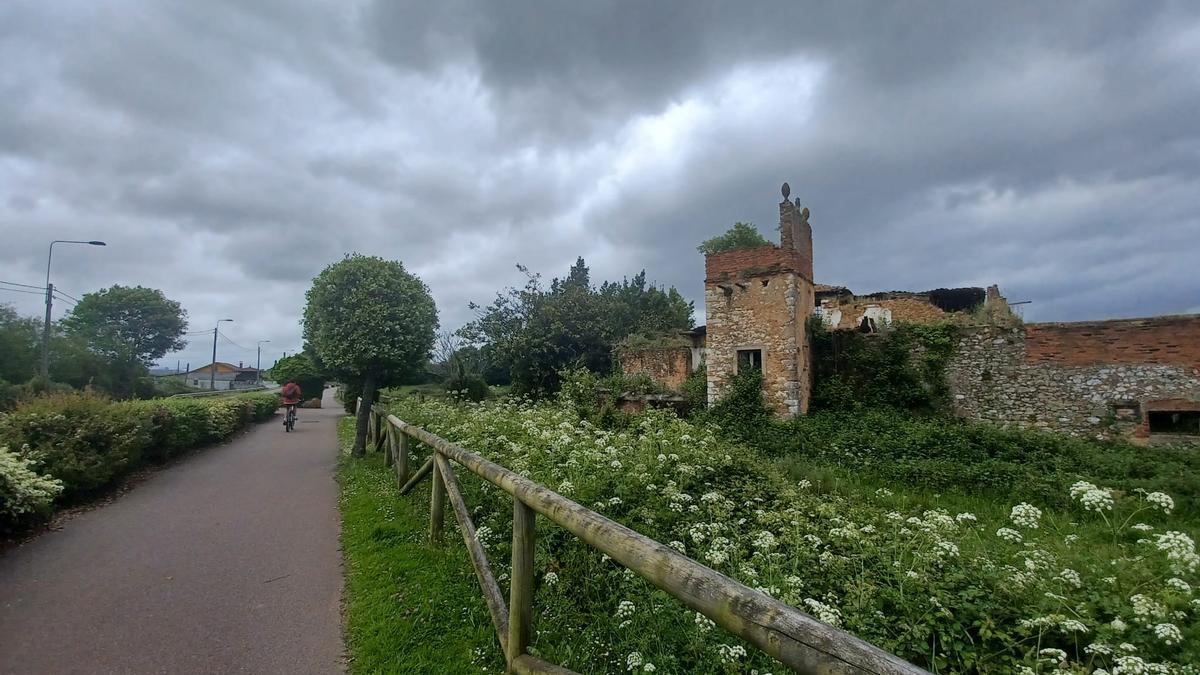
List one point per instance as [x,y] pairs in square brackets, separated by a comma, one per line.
[1093,578]
[741,235]
[903,367]
[84,442]
[535,332]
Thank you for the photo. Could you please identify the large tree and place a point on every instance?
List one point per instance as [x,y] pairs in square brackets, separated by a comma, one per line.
[369,321]
[535,332]
[128,324]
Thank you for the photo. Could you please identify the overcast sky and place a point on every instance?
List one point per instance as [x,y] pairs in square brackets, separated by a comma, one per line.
[227,151]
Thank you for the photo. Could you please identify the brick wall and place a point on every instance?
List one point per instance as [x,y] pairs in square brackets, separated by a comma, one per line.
[1076,378]
[731,266]
[1165,340]
[669,366]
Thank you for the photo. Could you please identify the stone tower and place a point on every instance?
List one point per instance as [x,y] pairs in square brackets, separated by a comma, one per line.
[757,301]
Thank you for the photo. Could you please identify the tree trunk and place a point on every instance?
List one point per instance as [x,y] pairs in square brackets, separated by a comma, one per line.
[364,416]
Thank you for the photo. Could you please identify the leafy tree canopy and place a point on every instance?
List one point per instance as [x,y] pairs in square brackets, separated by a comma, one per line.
[125,323]
[741,235]
[535,332]
[369,323]
[19,348]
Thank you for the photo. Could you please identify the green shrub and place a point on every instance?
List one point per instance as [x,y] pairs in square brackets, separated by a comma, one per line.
[25,495]
[80,439]
[695,390]
[86,441]
[468,388]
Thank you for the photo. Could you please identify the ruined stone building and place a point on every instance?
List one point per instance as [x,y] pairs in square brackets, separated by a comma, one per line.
[756,302]
[1126,378]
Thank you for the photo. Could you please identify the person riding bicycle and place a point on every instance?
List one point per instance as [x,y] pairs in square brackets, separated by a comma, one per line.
[291,394]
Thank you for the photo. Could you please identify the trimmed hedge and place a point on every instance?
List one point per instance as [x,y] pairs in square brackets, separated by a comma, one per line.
[87,442]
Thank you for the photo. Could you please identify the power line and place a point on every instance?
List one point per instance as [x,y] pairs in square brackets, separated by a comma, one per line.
[13,283]
[17,290]
[232,342]
[59,291]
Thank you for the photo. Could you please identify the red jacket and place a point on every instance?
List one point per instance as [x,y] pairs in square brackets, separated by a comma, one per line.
[291,393]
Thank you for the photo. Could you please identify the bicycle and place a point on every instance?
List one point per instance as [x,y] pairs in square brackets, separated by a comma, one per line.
[289,420]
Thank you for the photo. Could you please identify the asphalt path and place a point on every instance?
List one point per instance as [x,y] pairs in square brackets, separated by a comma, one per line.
[226,562]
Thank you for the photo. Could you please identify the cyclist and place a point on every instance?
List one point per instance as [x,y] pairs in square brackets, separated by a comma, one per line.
[291,398]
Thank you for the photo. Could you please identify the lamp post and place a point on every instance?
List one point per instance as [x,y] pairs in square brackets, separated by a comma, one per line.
[50,302]
[212,370]
[258,365]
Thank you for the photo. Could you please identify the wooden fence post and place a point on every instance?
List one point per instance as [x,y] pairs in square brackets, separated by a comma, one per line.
[389,447]
[378,431]
[520,601]
[401,457]
[437,504]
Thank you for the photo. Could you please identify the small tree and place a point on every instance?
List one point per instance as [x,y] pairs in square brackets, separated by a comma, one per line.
[369,320]
[741,235]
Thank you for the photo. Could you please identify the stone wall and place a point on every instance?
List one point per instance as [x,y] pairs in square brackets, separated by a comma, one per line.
[1077,378]
[669,366]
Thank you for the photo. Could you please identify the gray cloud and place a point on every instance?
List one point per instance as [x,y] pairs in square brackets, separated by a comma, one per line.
[228,151]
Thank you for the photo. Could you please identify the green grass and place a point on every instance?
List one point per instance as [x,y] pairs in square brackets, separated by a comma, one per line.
[410,606]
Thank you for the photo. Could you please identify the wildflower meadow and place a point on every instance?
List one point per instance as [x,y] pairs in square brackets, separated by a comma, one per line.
[1105,585]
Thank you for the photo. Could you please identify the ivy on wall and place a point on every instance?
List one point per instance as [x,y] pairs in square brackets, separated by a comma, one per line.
[903,367]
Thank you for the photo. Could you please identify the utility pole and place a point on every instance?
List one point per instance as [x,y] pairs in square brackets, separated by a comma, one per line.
[212,369]
[258,365]
[50,302]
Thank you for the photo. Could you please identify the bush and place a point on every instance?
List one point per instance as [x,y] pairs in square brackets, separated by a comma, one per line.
[86,442]
[25,495]
[468,388]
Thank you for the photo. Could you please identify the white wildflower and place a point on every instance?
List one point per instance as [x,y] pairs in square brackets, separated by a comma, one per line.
[1168,633]
[1143,527]
[1179,585]
[1072,626]
[883,492]
[1092,498]
[1026,515]
[1161,500]
[1070,577]
[551,578]
[625,609]
[966,517]
[703,623]
[634,661]
[824,613]
[764,540]
[1009,534]
[1053,655]
[678,546]
[731,653]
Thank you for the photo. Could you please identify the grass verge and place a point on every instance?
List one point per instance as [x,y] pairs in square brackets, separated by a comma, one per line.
[410,607]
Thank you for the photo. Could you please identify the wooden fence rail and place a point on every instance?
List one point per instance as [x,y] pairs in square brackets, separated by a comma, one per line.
[796,639]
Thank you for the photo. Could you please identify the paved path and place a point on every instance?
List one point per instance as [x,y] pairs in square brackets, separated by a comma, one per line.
[227,562]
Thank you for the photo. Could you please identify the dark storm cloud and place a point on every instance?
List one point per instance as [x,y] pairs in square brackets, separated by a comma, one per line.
[229,150]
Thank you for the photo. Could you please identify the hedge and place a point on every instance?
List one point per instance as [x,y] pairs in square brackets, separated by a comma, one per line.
[85,442]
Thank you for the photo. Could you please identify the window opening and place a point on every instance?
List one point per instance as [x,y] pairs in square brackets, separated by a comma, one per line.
[749,359]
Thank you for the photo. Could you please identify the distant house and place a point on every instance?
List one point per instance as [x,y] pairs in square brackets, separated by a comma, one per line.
[228,376]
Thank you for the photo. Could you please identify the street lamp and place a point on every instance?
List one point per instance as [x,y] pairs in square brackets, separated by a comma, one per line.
[258,366]
[50,302]
[212,370]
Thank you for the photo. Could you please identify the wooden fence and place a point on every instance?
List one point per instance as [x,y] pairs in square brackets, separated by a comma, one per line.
[796,639]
